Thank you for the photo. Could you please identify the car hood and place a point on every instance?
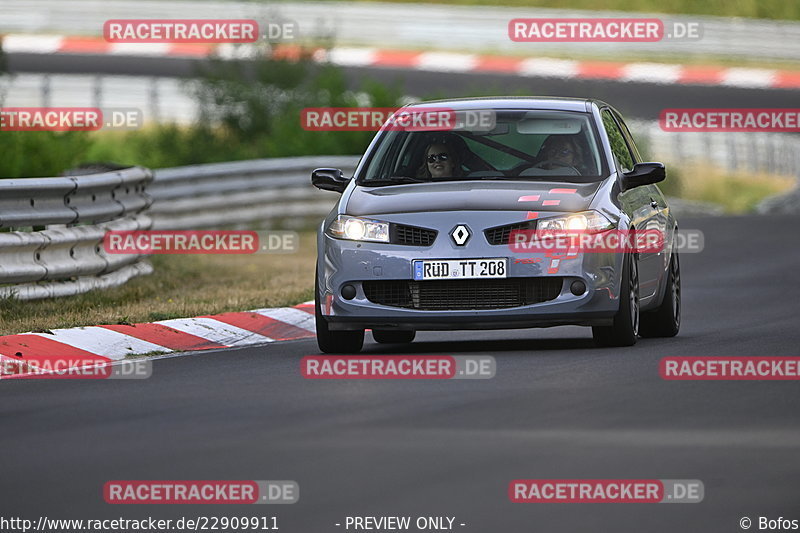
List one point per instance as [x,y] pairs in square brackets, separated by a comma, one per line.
[483,195]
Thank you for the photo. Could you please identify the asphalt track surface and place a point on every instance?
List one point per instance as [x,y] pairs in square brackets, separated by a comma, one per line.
[558,408]
[639,100]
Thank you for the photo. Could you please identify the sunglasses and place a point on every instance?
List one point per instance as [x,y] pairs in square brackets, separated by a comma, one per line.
[438,157]
[562,151]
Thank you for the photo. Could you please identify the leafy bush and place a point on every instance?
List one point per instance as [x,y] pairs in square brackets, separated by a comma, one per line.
[249,110]
[41,153]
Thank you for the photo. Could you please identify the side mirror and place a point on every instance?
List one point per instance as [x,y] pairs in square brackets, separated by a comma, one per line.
[643,174]
[329,179]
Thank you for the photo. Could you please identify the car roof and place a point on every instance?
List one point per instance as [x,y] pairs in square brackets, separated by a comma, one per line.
[514,102]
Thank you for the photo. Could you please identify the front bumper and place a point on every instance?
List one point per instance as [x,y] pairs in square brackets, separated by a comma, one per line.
[343,262]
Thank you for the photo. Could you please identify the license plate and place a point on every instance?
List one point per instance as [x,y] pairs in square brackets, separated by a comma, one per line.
[425,269]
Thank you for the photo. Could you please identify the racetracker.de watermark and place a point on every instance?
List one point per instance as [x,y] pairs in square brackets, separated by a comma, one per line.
[742,368]
[602,30]
[70,118]
[730,119]
[565,241]
[201,492]
[395,119]
[64,368]
[200,242]
[608,241]
[606,491]
[398,367]
[181,31]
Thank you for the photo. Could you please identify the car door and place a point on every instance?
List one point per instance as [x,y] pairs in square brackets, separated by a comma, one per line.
[638,203]
[662,220]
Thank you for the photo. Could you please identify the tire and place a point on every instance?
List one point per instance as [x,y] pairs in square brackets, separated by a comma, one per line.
[625,328]
[334,341]
[384,336]
[665,321]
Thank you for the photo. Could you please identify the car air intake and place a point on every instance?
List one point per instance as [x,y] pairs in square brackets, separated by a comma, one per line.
[453,295]
[501,234]
[412,236]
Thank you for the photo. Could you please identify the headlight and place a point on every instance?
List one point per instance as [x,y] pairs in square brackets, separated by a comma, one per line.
[359,229]
[588,221]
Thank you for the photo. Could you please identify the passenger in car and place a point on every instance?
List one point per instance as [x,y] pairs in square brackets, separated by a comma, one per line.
[559,151]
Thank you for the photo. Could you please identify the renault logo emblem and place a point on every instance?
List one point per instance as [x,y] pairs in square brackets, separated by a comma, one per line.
[460,235]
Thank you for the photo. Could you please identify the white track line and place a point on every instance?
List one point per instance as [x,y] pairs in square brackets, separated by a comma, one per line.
[551,68]
[216,331]
[32,44]
[102,341]
[292,316]
[352,57]
[140,49]
[446,62]
[652,72]
[748,77]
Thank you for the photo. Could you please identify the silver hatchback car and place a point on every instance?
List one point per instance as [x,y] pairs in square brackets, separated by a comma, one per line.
[422,237]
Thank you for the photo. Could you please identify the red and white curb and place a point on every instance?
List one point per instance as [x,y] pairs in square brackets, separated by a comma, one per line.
[639,72]
[89,345]
[661,73]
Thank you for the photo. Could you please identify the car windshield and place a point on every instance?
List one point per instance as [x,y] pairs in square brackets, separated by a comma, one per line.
[514,144]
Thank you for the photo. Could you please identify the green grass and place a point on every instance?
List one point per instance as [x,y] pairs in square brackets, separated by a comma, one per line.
[735,192]
[247,112]
[181,286]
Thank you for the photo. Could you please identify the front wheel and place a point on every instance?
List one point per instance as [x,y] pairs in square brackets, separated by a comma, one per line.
[666,320]
[625,327]
[334,341]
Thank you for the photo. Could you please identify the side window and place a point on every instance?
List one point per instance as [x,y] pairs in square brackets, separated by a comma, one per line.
[629,137]
[621,151]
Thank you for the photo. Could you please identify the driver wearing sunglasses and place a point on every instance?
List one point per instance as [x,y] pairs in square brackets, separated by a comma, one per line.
[440,162]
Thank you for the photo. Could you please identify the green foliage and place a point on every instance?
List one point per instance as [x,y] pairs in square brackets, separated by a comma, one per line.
[38,153]
[671,186]
[248,110]
[168,145]
[259,108]
[41,153]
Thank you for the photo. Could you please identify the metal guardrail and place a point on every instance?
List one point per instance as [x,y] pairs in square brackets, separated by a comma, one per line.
[51,230]
[765,152]
[53,246]
[243,193]
[161,99]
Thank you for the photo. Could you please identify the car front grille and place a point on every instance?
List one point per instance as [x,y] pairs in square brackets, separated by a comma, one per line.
[465,294]
[502,234]
[412,236]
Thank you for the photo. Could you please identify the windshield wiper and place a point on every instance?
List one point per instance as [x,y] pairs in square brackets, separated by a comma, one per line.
[394,180]
[467,178]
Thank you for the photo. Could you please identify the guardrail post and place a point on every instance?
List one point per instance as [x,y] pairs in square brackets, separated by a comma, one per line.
[155,116]
[46,90]
[97,91]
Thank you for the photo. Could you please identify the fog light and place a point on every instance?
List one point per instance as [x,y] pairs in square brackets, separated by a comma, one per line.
[348,292]
[577,287]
